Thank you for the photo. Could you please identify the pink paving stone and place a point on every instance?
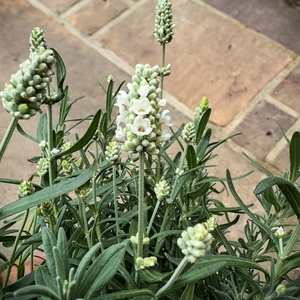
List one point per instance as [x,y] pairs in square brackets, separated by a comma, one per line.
[96,14]
[59,6]
[210,55]
[288,91]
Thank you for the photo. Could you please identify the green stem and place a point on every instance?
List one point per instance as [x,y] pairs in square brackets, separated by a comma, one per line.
[50,142]
[81,206]
[164,224]
[50,148]
[8,134]
[141,206]
[17,240]
[153,217]
[173,278]
[115,192]
[288,247]
[163,64]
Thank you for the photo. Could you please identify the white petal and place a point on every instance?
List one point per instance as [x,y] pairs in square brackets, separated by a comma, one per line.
[162,102]
[141,126]
[164,118]
[141,107]
[122,98]
[165,136]
[144,90]
[120,135]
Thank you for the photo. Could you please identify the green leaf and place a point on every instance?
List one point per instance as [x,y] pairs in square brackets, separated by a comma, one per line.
[84,263]
[295,156]
[41,130]
[47,194]
[191,157]
[102,270]
[290,192]
[60,75]
[254,219]
[289,263]
[127,294]
[63,107]
[195,274]
[188,293]
[35,291]
[86,137]
[22,132]
[49,241]
[43,277]
[62,246]
[202,125]
[269,196]
[151,275]
[202,146]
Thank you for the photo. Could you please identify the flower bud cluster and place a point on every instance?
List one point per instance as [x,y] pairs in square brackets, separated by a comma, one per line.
[163,22]
[37,39]
[66,146]
[26,188]
[83,192]
[141,111]
[66,167]
[162,189]
[42,166]
[46,209]
[195,241]
[188,133]
[25,93]
[147,262]
[113,152]
[79,162]
[203,106]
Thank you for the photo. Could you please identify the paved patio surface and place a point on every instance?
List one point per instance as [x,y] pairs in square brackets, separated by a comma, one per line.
[225,50]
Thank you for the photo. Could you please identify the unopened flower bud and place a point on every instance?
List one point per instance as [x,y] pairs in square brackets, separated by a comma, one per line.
[66,166]
[281,289]
[163,22]
[42,166]
[26,188]
[46,209]
[113,152]
[203,106]
[162,189]
[188,132]
[195,241]
[83,192]
[280,233]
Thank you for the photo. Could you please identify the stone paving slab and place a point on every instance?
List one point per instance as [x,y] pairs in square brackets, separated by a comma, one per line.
[210,55]
[260,128]
[288,91]
[59,6]
[273,18]
[95,14]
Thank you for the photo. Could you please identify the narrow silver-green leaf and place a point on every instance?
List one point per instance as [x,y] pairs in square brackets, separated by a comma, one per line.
[35,291]
[188,293]
[86,137]
[46,194]
[102,270]
[290,191]
[126,294]
[295,156]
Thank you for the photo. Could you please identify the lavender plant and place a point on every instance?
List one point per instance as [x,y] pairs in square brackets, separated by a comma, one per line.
[114,216]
